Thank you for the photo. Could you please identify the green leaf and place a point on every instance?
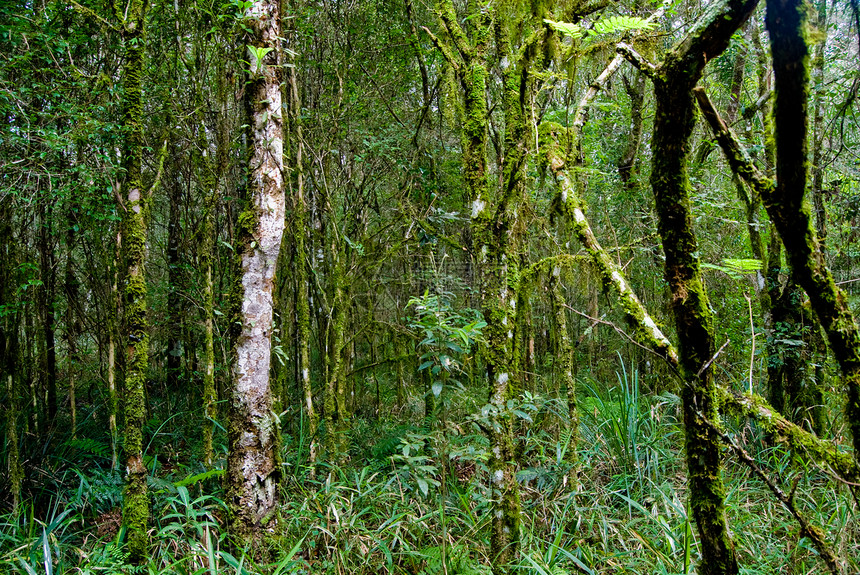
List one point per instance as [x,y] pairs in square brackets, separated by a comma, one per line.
[615,24]
[570,30]
[422,485]
[523,415]
[436,388]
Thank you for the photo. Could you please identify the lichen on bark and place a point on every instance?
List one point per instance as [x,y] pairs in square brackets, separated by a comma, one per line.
[252,469]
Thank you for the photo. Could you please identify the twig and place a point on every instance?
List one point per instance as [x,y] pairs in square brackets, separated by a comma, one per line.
[710,361]
[672,365]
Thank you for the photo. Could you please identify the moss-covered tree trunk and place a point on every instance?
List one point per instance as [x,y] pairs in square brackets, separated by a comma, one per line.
[818,140]
[135,335]
[175,303]
[674,120]
[46,308]
[563,362]
[335,409]
[72,325]
[9,352]
[112,325]
[786,203]
[300,235]
[209,184]
[492,220]
[252,469]
[210,392]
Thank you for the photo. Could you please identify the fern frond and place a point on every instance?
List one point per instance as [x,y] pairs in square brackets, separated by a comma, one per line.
[566,28]
[614,24]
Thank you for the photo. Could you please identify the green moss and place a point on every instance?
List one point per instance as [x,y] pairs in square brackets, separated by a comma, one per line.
[248,222]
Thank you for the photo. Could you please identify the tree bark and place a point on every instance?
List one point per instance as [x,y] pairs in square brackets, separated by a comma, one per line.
[9,352]
[786,23]
[175,311]
[252,468]
[301,229]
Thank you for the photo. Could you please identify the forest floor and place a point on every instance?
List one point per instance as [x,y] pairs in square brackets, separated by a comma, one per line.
[408,499]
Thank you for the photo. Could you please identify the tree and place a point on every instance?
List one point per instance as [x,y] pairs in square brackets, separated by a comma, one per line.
[252,464]
[134,209]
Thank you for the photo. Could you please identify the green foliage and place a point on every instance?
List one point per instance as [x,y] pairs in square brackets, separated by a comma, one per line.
[415,469]
[616,24]
[736,268]
[448,337]
[628,429]
[604,26]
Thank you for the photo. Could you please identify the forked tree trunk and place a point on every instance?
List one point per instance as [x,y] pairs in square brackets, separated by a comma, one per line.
[788,208]
[252,470]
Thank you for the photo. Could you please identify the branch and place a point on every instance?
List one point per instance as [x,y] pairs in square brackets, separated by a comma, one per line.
[645,329]
[161,155]
[798,439]
[591,92]
[446,13]
[738,158]
[88,12]
[708,363]
[600,321]
[637,59]
[444,49]
[813,532]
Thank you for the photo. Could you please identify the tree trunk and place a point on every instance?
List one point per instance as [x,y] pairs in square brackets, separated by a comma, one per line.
[135,327]
[175,305]
[673,126]
[72,290]
[786,23]
[301,232]
[46,304]
[564,362]
[9,351]
[252,468]
[114,312]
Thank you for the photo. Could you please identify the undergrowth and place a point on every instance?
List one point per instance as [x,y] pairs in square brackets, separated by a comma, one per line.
[412,499]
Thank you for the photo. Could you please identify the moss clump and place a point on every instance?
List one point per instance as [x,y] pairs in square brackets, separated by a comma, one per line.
[247,223]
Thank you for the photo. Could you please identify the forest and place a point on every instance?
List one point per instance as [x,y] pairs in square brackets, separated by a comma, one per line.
[429,287]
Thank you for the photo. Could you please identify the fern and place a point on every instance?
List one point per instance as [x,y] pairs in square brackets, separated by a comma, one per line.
[192,479]
[566,28]
[736,268]
[85,446]
[615,24]
[458,561]
[606,26]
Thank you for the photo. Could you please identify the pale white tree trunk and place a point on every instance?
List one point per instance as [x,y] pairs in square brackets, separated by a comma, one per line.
[252,469]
